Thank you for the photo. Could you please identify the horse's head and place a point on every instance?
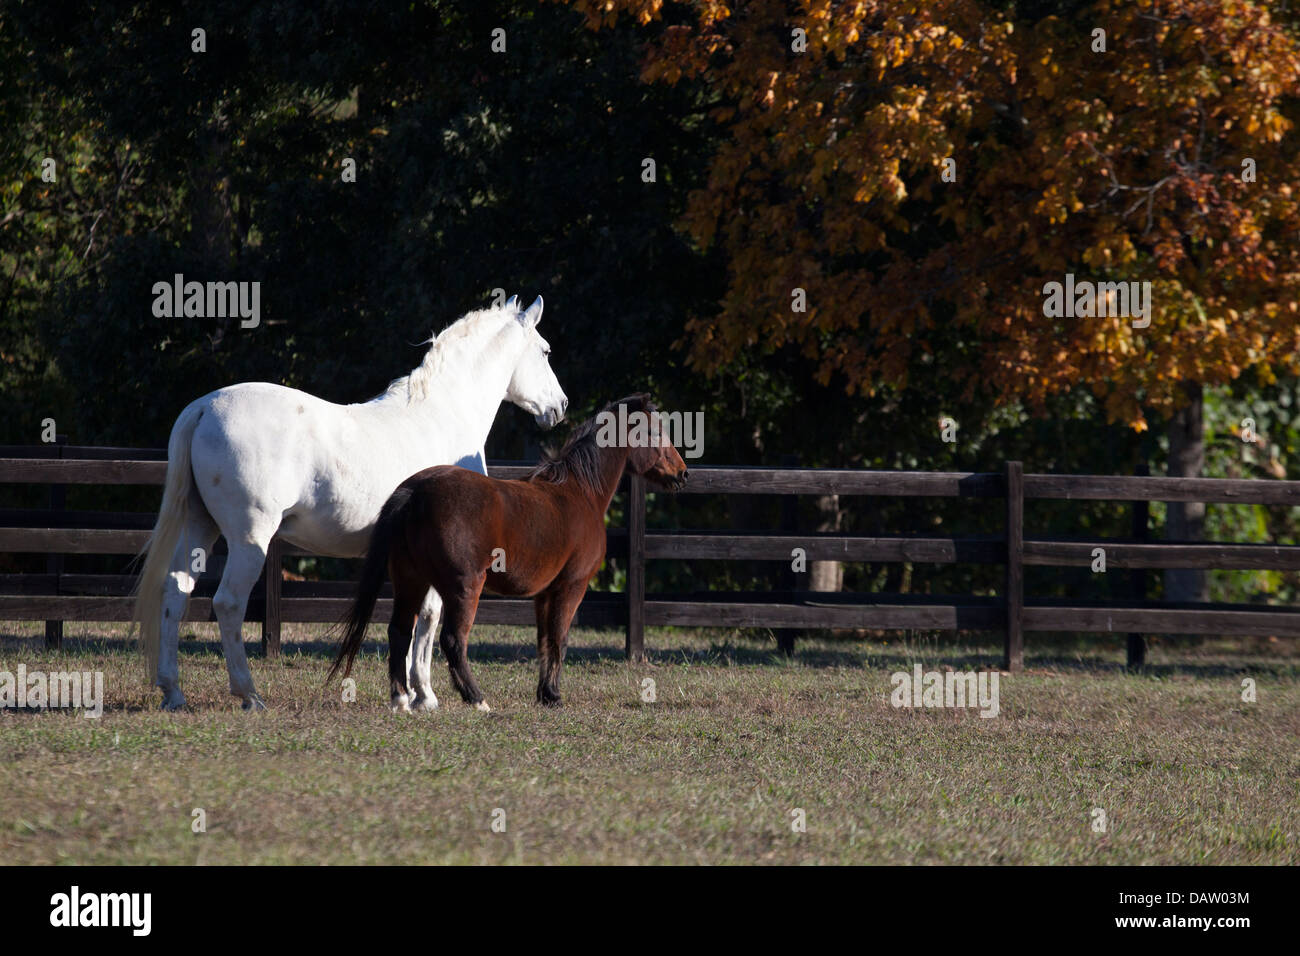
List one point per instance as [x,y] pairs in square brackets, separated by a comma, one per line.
[533,386]
[657,459]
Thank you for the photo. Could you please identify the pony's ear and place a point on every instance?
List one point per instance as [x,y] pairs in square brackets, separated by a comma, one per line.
[513,303]
[532,315]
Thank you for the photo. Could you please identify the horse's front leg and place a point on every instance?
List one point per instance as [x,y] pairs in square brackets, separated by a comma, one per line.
[460,605]
[555,609]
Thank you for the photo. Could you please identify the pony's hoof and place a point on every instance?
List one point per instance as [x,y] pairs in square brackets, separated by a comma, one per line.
[174,701]
[253,703]
[483,706]
[400,705]
[426,704]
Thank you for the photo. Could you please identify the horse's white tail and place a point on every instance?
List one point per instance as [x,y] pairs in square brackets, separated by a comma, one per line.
[161,546]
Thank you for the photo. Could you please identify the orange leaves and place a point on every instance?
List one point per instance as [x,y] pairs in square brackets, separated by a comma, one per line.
[1116,167]
[605,13]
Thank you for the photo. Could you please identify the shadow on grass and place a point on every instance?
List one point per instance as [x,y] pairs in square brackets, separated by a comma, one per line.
[1078,655]
[108,707]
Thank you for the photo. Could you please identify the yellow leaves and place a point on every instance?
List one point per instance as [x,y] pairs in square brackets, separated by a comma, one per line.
[1099,254]
[1056,161]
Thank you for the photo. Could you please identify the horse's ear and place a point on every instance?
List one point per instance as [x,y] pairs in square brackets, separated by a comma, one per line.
[513,303]
[533,315]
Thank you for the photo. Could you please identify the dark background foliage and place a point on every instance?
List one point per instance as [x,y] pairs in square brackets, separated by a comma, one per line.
[475,171]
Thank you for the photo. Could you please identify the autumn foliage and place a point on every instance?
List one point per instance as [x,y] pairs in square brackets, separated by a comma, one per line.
[1129,163]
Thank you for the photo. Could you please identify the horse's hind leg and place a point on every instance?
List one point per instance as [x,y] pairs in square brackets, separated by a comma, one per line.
[460,607]
[420,660]
[199,533]
[407,600]
[243,567]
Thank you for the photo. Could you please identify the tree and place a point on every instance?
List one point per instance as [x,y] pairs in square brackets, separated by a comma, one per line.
[476,170]
[922,172]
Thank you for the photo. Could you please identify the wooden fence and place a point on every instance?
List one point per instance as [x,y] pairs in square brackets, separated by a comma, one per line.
[55,596]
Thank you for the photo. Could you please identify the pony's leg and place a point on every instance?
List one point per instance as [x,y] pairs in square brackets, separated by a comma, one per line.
[555,610]
[407,601]
[247,555]
[199,532]
[542,608]
[461,604]
[420,660]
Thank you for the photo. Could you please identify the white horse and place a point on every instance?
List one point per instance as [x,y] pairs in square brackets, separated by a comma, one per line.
[253,459]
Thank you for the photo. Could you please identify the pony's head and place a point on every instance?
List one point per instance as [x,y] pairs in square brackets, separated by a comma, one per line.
[656,458]
[533,386]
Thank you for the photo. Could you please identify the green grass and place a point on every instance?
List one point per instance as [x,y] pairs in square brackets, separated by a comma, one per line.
[709,773]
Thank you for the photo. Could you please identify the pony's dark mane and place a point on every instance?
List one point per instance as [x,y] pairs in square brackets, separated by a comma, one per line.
[579,458]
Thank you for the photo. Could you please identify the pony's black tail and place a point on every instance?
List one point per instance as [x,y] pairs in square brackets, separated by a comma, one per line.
[372,579]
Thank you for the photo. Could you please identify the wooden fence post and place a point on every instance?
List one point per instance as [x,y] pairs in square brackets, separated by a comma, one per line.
[54,562]
[271,616]
[790,578]
[635,648]
[1014,659]
[1137,643]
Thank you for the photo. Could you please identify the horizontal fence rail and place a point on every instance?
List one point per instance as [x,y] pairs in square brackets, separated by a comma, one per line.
[55,596]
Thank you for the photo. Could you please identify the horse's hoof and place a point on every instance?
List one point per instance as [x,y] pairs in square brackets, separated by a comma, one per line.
[253,703]
[426,704]
[483,706]
[172,701]
[400,705]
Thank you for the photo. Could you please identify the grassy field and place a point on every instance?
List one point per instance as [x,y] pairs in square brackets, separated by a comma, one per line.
[1185,771]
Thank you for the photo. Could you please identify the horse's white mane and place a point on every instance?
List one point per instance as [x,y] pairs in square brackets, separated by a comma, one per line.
[471,327]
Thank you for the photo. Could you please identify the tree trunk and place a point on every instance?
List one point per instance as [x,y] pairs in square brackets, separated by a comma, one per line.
[212,220]
[211,215]
[1186,519]
[827,575]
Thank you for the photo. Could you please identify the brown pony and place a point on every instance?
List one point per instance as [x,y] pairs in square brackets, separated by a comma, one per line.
[543,536]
